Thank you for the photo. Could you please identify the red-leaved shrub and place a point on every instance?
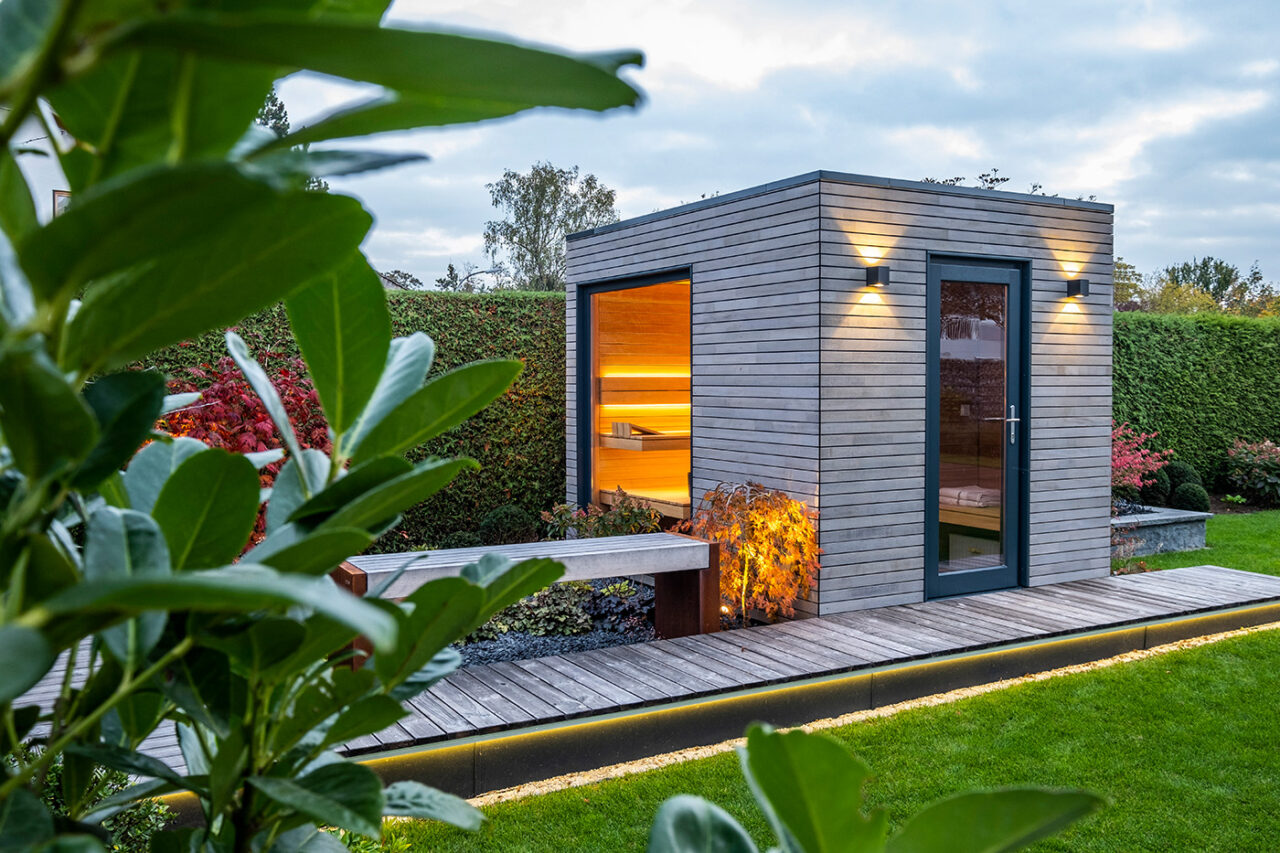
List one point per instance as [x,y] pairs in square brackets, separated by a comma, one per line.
[1132,465]
[229,415]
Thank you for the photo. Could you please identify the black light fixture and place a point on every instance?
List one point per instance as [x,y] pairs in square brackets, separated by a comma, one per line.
[878,276]
[1077,288]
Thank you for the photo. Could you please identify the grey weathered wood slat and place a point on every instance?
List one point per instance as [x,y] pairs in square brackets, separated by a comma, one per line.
[512,696]
[583,559]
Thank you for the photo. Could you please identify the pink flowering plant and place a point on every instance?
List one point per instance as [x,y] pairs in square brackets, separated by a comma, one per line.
[1254,468]
[1132,464]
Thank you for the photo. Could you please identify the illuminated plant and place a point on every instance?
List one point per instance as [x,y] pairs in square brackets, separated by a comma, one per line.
[768,546]
[1133,465]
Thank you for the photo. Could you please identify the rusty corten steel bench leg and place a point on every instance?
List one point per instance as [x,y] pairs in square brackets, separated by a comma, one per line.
[688,603]
[356,582]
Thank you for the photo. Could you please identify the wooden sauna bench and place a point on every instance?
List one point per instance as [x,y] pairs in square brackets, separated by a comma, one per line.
[981,517]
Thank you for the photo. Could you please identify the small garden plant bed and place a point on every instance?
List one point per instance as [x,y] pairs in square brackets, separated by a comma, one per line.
[566,617]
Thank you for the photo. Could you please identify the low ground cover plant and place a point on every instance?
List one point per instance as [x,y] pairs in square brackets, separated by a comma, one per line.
[625,517]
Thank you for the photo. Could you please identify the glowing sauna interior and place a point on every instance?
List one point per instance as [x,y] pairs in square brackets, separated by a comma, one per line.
[641,395]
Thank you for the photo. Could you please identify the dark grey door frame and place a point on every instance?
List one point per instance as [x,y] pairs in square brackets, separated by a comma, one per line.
[1015,273]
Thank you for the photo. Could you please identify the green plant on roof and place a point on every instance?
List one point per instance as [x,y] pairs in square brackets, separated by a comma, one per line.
[118,548]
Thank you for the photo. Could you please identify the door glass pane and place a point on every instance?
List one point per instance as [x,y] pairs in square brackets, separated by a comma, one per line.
[640,357]
[974,435]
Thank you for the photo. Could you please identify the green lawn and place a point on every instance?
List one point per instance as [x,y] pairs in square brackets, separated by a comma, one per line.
[1250,542]
[1186,745]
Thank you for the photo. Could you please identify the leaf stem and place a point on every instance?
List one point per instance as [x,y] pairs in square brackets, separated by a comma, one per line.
[83,725]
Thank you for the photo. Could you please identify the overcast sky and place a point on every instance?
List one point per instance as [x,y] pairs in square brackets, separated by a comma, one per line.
[1169,110]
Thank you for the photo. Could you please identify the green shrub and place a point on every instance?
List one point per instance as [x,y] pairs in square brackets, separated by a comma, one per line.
[558,610]
[518,440]
[460,539]
[1255,469]
[507,525]
[1200,381]
[627,516]
[1156,492]
[1180,472]
[1190,496]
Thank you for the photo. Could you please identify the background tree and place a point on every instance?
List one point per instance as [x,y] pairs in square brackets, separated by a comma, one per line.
[471,279]
[1208,275]
[274,116]
[1127,286]
[540,208]
[407,280]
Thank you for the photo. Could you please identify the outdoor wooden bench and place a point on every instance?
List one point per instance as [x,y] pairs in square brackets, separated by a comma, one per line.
[685,571]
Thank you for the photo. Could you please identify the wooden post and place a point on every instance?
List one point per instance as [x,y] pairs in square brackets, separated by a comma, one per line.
[356,582]
[688,602]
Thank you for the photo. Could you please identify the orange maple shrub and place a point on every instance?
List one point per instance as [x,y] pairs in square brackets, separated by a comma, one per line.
[768,547]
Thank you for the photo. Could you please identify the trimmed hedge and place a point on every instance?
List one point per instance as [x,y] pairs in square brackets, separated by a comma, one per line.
[1201,381]
[518,440]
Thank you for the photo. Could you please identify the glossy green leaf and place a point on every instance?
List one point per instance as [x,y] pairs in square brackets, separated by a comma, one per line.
[51,567]
[152,467]
[126,406]
[46,425]
[288,167]
[291,488]
[356,482]
[17,302]
[24,25]
[17,210]
[413,799]
[341,324]
[207,509]
[442,610]
[24,719]
[444,662]
[137,715]
[810,788]
[308,839]
[506,582]
[204,689]
[173,402]
[129,761]
[253,257]
[25,656]
[408,361]
[442,78]
[364,717]
[24,821]
[383,503]
[118,802]
[345,795]
[292,548]
[270,397]
[260,646]
[124,543]
[440,405]
[688,824]
[243,587]
[992,821]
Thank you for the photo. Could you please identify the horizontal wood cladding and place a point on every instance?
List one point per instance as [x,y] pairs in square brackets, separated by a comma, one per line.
[802,382]
[873,370]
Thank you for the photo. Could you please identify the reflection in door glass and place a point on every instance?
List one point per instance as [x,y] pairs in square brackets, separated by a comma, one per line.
[972,426]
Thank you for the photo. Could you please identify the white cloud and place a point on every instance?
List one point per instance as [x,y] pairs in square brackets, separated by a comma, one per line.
[1113,147]
[427,242]
[1260,68]
[928,141]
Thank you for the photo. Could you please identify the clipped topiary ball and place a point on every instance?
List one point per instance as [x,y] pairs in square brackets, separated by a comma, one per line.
[1180,472]
[1156,493]
[1190,496]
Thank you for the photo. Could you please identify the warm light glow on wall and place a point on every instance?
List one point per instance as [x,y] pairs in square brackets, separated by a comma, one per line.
[1071,268]
[1071,307]
[871,254]
[871,298]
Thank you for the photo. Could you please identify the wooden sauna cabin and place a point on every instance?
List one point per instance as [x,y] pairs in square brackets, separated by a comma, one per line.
[927,366]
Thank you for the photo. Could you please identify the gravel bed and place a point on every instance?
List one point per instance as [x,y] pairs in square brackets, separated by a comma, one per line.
[517,645]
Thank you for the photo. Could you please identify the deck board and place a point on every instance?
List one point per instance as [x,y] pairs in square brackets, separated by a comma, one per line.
[510,697]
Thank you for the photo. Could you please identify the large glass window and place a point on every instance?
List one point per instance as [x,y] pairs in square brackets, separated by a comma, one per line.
[640,368]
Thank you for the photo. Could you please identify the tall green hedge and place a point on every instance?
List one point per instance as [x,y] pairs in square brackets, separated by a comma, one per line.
[518,440]
[1201,381]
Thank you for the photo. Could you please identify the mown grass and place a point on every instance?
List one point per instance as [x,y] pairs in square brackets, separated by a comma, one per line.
[1246,541]
[1186,746]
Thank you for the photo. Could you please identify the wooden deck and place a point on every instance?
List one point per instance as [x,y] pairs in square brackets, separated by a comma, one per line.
[938,641]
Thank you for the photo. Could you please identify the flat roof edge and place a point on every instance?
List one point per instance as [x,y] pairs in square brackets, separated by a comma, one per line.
[843,178]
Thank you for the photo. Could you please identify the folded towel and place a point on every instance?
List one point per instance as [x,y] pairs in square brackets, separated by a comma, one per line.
[975,496]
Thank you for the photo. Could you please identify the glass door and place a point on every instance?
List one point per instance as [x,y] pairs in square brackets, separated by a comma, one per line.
[975,428]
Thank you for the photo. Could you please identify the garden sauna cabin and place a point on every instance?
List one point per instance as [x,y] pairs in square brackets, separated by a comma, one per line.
[927,366]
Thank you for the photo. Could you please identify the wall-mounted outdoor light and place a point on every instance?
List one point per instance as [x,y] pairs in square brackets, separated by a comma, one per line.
[1077,288]
[877,276]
